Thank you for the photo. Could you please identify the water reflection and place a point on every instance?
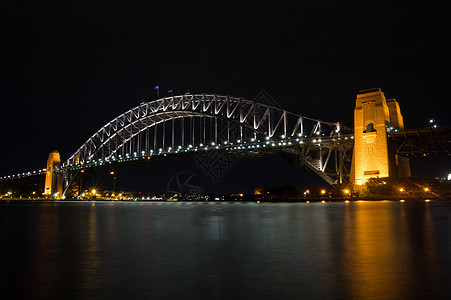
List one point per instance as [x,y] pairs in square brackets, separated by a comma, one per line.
[371,253]
[90,257]
[42,277]
[383,253]
[370,250]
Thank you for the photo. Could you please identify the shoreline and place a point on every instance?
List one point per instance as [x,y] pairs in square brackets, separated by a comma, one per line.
[304,200]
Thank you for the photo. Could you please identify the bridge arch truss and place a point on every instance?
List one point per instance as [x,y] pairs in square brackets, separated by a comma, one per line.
[194,122]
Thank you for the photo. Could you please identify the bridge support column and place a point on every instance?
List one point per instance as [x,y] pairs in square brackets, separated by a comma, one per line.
[374,118]
[53,181]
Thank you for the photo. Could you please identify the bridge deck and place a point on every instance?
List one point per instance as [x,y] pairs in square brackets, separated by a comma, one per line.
[423,141]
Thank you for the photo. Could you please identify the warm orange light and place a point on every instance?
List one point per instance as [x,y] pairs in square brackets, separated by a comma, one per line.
[112,173]
[258,202]
[307,201]
[241,195]
[323,201]
[323,192]
[307,191]
[148,157]
[346,191]
[427,200]
[347,201]
[82,171]
[426,189]
[402,200]
[401,190]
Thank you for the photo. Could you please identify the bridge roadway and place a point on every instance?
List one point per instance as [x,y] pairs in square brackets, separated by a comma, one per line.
[314,153]
[411,143]
[422,142]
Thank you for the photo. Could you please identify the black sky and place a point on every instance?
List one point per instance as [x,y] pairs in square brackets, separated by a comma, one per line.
[70,67]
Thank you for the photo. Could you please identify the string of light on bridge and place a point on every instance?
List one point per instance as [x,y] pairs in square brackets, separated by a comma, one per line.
[239,145]
[24,174]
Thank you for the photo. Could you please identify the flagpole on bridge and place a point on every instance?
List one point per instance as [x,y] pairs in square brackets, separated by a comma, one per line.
[157,88]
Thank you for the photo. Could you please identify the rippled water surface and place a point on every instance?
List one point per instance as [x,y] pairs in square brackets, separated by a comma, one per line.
[115,250]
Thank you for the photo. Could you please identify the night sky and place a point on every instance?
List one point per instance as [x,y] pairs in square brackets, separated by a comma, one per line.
[70,67]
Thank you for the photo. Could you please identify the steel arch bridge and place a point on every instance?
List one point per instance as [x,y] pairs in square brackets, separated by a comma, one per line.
[190,122]
[193,124]
[187,124]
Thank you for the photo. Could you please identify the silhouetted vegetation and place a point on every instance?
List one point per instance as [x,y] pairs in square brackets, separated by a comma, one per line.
[285,191]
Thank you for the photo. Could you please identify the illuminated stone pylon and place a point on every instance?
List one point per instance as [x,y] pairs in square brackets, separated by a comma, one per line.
[374,156]
[53,181]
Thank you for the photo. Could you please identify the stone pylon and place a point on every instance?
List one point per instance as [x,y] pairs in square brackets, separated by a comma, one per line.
[374,118]
[53,181]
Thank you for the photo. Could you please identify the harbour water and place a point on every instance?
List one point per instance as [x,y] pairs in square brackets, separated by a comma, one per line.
[225,250]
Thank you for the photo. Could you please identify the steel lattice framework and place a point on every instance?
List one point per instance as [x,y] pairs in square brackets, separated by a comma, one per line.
[188,126]
[194,122]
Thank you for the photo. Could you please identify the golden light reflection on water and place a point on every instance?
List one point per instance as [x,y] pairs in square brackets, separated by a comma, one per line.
[379,251]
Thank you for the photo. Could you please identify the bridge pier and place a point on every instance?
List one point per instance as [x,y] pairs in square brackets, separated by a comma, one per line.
[374,155]
[53,181]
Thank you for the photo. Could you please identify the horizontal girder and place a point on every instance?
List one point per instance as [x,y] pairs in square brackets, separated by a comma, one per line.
[422,142]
